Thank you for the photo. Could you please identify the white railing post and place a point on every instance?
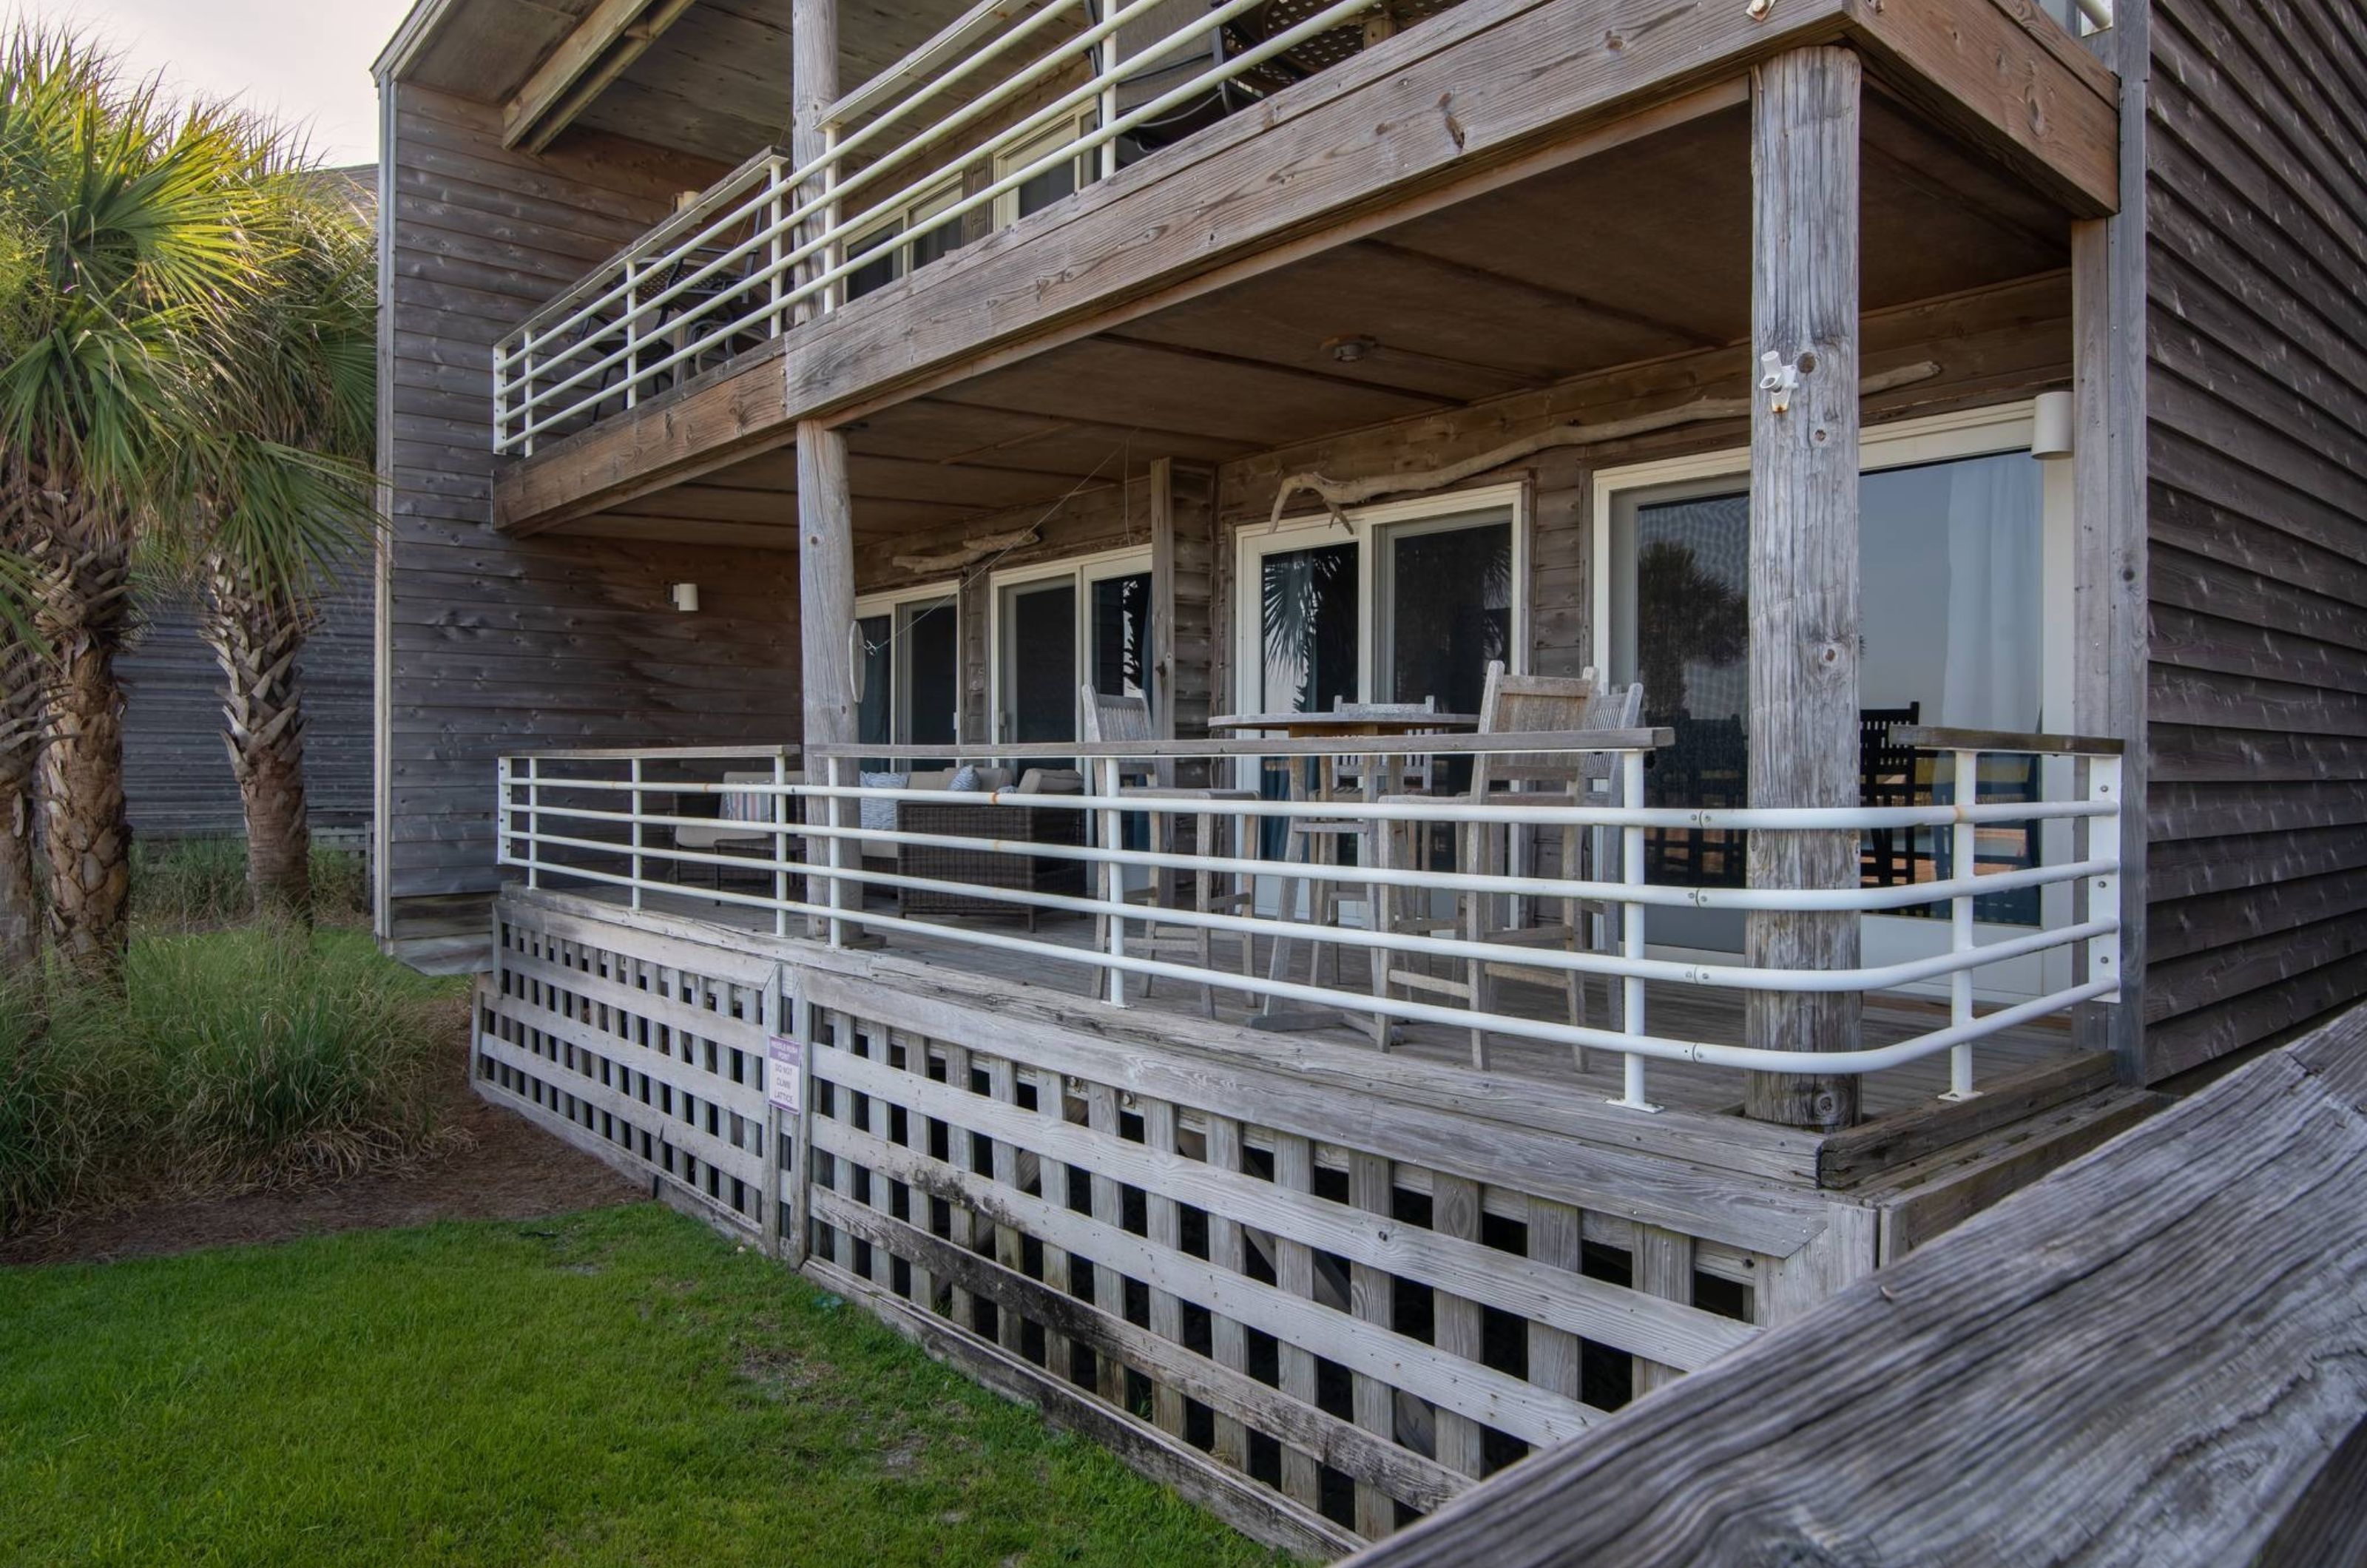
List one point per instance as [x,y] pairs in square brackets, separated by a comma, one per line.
[834,253]
[533,822]
[781,844]
[530,417]
[777,285]
[2104,890]
[1631,935]
[836,770]
[501,398]
[1108,64]
[1964,849]
[1113,878]
[505,797]
[636,888]
[633,334]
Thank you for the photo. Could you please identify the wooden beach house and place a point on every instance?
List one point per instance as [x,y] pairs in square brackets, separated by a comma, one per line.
[1333,733]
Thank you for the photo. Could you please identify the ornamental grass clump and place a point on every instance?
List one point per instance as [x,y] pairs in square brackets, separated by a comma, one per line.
[198,883]
[230,1059]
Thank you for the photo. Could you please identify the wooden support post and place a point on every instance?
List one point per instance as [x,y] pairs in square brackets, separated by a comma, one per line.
[1804,557]
[825,584]
[1163,598]
[2110,571]
[813,86]
[825,622]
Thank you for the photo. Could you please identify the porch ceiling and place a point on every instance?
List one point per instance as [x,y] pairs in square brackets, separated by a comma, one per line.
[1633,254]
[714,83]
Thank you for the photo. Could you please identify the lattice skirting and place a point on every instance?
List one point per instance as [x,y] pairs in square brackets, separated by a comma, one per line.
[1322,1314]
[647,1053]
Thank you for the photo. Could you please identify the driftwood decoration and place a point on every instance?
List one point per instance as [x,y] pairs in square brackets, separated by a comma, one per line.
[971,551]
[1337,494]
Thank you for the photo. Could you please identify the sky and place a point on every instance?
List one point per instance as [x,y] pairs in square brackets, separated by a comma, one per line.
[306,61]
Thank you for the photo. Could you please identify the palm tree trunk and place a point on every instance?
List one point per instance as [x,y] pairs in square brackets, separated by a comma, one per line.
[256,635]
[83,610]
[20,736]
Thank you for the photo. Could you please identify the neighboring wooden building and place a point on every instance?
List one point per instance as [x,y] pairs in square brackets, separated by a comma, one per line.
[176,774]
[1917,401]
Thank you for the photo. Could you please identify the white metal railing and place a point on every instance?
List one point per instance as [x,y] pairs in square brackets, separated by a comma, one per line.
[617,819]
[773,242]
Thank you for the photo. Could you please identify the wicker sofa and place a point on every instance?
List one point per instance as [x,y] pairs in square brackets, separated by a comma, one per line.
[980,868]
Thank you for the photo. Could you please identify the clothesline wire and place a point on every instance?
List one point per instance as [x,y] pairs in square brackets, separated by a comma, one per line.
[1123,450]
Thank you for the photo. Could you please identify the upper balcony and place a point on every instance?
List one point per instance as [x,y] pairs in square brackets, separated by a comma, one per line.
[1039,170]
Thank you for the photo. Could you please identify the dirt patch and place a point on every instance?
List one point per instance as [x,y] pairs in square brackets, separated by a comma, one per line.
[500,1167]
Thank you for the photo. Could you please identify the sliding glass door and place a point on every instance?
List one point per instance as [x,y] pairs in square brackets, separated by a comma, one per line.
[1060,628]
[1956,630]
[1039,660]
[1405,608]
[908,668]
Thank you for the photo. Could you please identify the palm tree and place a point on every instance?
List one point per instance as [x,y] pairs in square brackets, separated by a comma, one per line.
[138,222]
[1695,617]
[20,739]
[285,496]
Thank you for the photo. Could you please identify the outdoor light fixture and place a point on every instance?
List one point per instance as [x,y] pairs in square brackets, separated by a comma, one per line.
[686,597]
[2050,426]
[1348,350]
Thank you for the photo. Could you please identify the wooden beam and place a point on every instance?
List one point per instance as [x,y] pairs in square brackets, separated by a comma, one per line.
[1278,367]
[2008,79]
[2111,577]
[1804,559]
[1545,294]
[610,37]
[709,424]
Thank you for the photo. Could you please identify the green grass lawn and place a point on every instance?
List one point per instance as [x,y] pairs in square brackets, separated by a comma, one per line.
[615,1387]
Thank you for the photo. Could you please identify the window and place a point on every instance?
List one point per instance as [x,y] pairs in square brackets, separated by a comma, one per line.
[1061,627]
[1411,602]
[1063,178]
[890,259]
[908,666]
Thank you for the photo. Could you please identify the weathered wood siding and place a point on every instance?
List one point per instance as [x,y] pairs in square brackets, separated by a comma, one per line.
[2256,218]
[490,644]
[176,776]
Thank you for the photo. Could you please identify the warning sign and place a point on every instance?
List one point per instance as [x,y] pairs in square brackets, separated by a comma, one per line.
[787,1079]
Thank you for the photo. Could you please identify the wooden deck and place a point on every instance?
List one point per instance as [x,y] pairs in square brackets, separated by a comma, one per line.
[1319,1288]
[1681,1011]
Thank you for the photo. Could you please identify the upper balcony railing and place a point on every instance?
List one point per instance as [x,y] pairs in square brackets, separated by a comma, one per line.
[1011,108]
[1013,105]
[1108,884]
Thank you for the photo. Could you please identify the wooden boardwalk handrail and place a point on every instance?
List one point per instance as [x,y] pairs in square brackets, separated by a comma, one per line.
[2157,1355]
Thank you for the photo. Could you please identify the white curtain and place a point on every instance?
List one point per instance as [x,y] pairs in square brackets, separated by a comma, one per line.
[1995,632]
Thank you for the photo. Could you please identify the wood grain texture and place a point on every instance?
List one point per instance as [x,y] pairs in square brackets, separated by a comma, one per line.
[489,643]
[2056,1381]
[1803,725]
[176,777]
